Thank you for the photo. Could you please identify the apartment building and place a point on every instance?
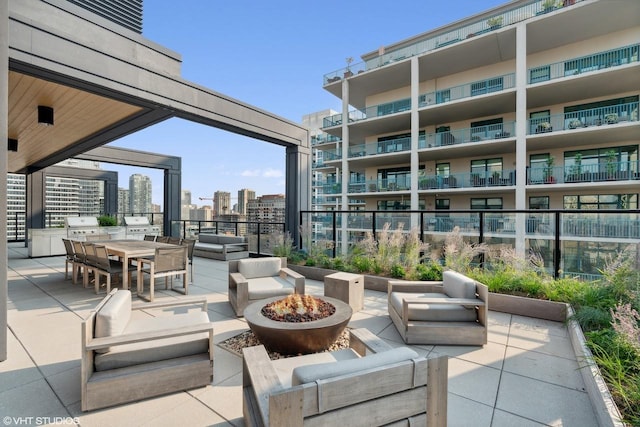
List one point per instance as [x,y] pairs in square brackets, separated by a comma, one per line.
[529,105]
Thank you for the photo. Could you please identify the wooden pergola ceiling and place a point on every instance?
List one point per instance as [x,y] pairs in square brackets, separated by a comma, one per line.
[77,115]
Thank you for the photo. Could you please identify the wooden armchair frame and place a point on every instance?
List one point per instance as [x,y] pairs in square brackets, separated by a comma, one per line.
[414,390]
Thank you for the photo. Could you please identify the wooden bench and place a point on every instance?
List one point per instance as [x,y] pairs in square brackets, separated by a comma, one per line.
[351,387]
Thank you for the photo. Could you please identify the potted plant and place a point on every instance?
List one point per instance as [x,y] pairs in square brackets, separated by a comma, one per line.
[548,5]
[574,124]
[544,127]
[576,169]
[548,171]
[611,118]
[495,22]
[348,72]
[611,164]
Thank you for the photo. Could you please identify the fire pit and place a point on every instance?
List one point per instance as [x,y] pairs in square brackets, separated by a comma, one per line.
[291,334]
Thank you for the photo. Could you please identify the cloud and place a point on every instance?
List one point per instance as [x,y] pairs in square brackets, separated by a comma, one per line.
[254,172]
[272,173]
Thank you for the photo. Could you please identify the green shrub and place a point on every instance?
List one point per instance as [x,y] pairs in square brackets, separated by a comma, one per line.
[397,271]
[107,221]
[429,271]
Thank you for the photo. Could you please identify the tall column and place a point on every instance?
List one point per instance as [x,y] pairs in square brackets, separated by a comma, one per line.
[298,187]
[4,110]
[171,208]
[415,134]
[344,238]
[521,134]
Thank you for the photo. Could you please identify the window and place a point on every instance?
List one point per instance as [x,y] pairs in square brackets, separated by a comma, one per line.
[539,202]
[601,201]
[539,74]
[486,203]
[602,163]
[442,222]
[486,86]
[538,168]
[540,121]
[486,129]
[443,170]
[395,178]
[395,143]
[398,205]
[485,167]
[443,96]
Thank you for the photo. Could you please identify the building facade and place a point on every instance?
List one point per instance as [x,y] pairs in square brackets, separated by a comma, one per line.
[222,203]
[244,196]
[269,209]
[139,194]
[530,105]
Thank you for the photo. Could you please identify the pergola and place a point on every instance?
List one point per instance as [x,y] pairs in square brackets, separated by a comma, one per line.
[103,82]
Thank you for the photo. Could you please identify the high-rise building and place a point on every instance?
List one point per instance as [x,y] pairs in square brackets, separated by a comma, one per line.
[16,206]
[269,208]
[185,205]
[222,202]
[244,196]
[529,105]
[139,194]
[123,201]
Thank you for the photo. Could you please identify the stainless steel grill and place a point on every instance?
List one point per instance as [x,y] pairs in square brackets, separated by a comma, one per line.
[78,227]
[138,226]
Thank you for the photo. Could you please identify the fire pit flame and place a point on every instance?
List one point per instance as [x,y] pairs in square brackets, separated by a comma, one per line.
[298,308]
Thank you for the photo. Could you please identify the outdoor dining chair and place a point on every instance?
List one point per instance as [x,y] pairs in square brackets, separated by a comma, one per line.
[167,262]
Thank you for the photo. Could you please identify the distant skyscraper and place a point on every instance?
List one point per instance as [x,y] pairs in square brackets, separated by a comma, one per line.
[139,194]
[185,204]
[123,200]
[222,202]
[244,196]
[268,208]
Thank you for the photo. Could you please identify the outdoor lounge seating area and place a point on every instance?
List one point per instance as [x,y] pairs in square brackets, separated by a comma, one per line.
[527,363]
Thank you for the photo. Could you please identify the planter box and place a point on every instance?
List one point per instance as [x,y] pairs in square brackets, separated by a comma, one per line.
[530,307]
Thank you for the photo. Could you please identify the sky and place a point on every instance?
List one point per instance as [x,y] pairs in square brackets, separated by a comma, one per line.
[273,55]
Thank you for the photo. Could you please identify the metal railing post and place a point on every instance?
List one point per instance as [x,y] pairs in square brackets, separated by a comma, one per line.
[335,235]
[258,240]
[556,251]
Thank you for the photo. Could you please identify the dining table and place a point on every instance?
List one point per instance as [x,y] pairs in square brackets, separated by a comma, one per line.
[129,249]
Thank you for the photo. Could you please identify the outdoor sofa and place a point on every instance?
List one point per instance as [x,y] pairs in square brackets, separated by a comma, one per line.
[221,247]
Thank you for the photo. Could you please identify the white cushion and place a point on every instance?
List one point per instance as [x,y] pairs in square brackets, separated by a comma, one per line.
[162,349]
[432,312]
[259,267]
[458,285]
[267,287]
[320,371]
[113,317]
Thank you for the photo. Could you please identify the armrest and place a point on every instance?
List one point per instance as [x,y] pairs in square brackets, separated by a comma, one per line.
[447,301]
[259,373]
[178,302]
[297,278]
[419,286]
[235,279]
[105,342]
[361,340]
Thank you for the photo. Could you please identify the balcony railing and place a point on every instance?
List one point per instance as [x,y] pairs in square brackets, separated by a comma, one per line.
[453,36]
[468,90]
[584,118]
[468,135]
[503,178]
[385,109]
[400,183]
[578,173]
[563,239]
[324,139]
[584,64]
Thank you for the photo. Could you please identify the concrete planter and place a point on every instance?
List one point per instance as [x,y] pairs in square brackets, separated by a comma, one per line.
[530,307]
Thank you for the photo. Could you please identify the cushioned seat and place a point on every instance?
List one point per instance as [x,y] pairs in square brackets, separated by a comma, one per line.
[453,311]
[253,279]
[433,312]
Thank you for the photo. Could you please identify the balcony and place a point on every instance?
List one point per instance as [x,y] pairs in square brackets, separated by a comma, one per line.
[468,135]
[583,173]
[504,178]
[448,38]
[385,109]
[324,139]
[574,66]
[381,185]
[585,118]
[481,87]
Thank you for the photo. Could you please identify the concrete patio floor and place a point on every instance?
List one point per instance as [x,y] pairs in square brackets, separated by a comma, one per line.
[527,375]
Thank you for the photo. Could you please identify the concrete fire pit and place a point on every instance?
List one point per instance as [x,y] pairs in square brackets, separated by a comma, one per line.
[297,337]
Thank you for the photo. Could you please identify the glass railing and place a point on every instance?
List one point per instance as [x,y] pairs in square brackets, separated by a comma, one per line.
[463,136]
[584,118]
[586,240]
[481,87]
[606,170]
[501,178]
[329,156]
[382,109]
[584,64]
[400,183]
[332,188]
[395,145]
[453,36]
[324,139]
